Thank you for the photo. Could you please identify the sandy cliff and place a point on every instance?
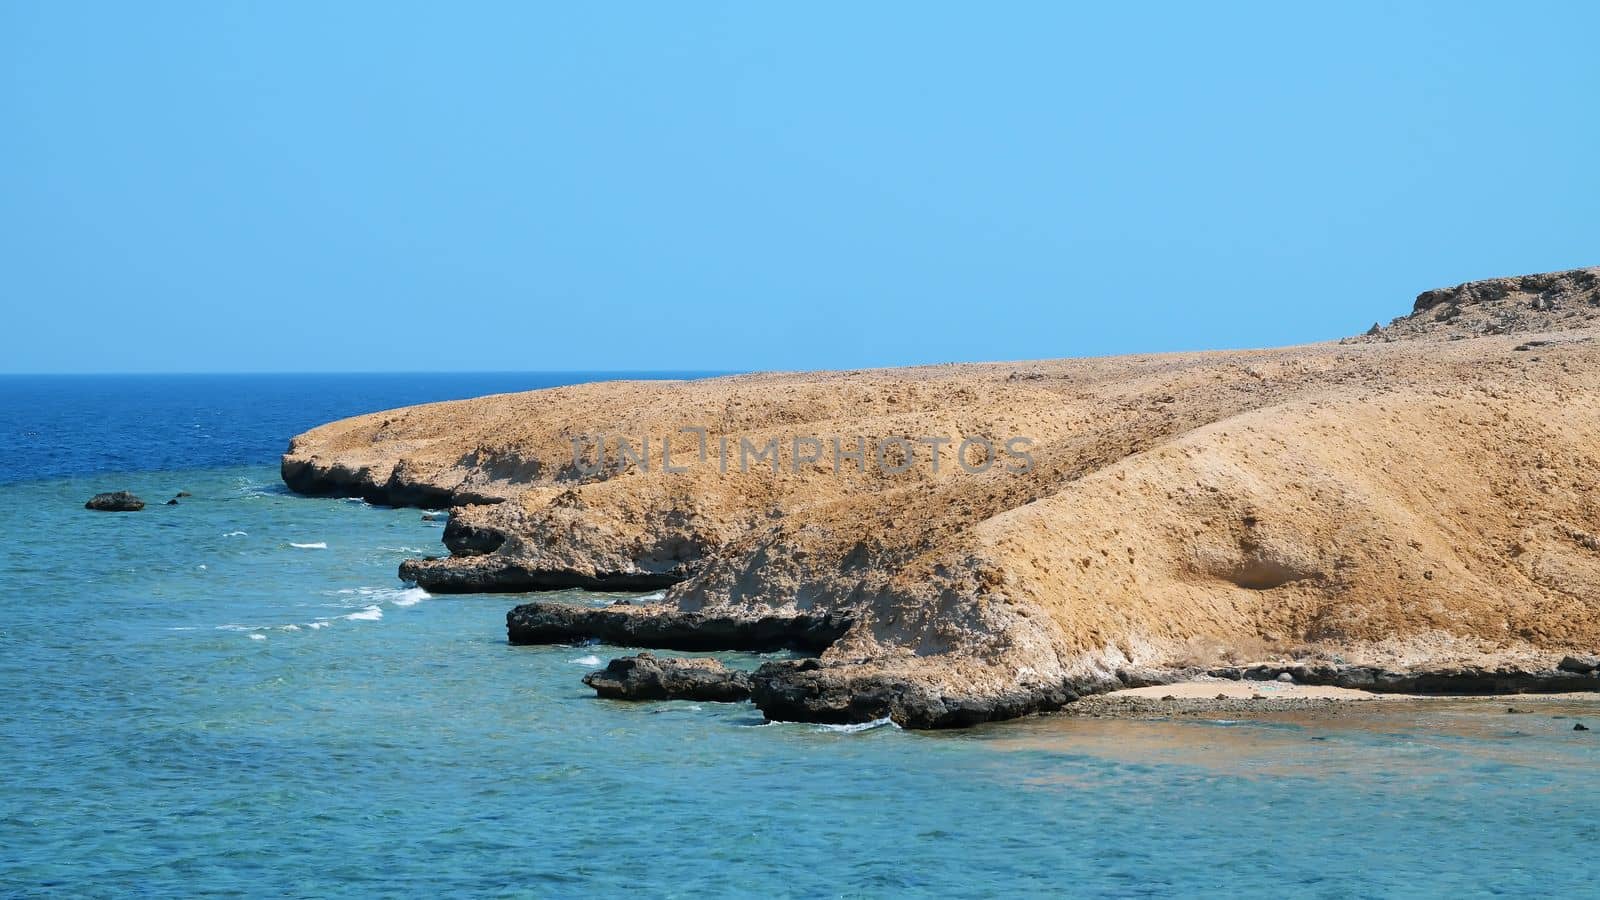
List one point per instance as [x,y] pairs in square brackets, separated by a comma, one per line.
[1420,499]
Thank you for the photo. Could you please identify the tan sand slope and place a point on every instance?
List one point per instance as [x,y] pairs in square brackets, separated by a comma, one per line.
[1410,504]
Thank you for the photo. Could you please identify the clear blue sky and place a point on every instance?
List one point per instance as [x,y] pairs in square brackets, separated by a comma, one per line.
[212,186]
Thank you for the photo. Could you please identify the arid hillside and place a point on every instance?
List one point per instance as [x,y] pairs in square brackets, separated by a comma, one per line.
[1419,499]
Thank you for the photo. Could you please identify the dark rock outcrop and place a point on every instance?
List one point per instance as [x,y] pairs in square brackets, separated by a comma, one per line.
[465,539]
[665,627]
[648,677]
[1544,290]
[1545,302]
[809,691]
[483,574]
[1458,681]
[115,501]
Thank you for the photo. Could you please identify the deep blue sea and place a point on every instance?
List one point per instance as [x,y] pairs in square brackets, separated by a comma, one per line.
[235,695]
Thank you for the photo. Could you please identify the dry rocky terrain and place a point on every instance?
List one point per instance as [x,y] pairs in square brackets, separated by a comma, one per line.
[1420,500]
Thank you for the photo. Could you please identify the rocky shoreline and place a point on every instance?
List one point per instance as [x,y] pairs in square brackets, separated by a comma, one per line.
[810,691]
[1410,511]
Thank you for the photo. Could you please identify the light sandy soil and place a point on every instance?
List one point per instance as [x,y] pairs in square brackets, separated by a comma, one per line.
[1212,696]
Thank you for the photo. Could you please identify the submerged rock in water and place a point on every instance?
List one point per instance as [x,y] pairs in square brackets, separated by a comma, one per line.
[648,677]
[115,501]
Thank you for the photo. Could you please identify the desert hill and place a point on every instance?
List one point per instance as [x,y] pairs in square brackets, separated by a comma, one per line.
[1419,499]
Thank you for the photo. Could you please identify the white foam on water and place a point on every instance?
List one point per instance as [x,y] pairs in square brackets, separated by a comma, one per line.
[415,550]
[371,614]
[236,534]
[258,637]
[396,596]
[658,595]
[233,627]
[859,727]
[201,566]
[315,545]
[320,623]
[291,628]
[410,597]
[590,660]
[250,490]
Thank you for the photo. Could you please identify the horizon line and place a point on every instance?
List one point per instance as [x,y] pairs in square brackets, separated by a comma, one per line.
[314,372]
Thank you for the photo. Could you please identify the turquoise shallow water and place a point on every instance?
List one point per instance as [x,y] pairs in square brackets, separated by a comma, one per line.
[189,702]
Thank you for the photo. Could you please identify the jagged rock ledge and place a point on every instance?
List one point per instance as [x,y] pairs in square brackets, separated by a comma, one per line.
[394,485]
[811,690]
[669,628]
[491,574]
[648,677]
[1540,303]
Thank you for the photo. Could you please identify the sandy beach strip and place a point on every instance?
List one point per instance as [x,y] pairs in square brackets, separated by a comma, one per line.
[1222,695]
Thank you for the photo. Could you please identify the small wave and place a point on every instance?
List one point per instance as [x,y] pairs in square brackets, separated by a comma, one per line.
[289,628]
[859,727]
[370,614]
[590,660]
[398,596]
[410,597]
[251,490]
[317,624]
[315,545]
[236,534]
[258,637]
[658,595]
[232,627]
[413,550]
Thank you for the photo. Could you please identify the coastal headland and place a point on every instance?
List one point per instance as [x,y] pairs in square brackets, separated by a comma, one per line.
[1413,509]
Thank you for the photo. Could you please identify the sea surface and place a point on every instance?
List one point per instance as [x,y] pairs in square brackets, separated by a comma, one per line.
[235,695]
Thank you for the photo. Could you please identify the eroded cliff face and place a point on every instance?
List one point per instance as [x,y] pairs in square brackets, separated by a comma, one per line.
[1413,505]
